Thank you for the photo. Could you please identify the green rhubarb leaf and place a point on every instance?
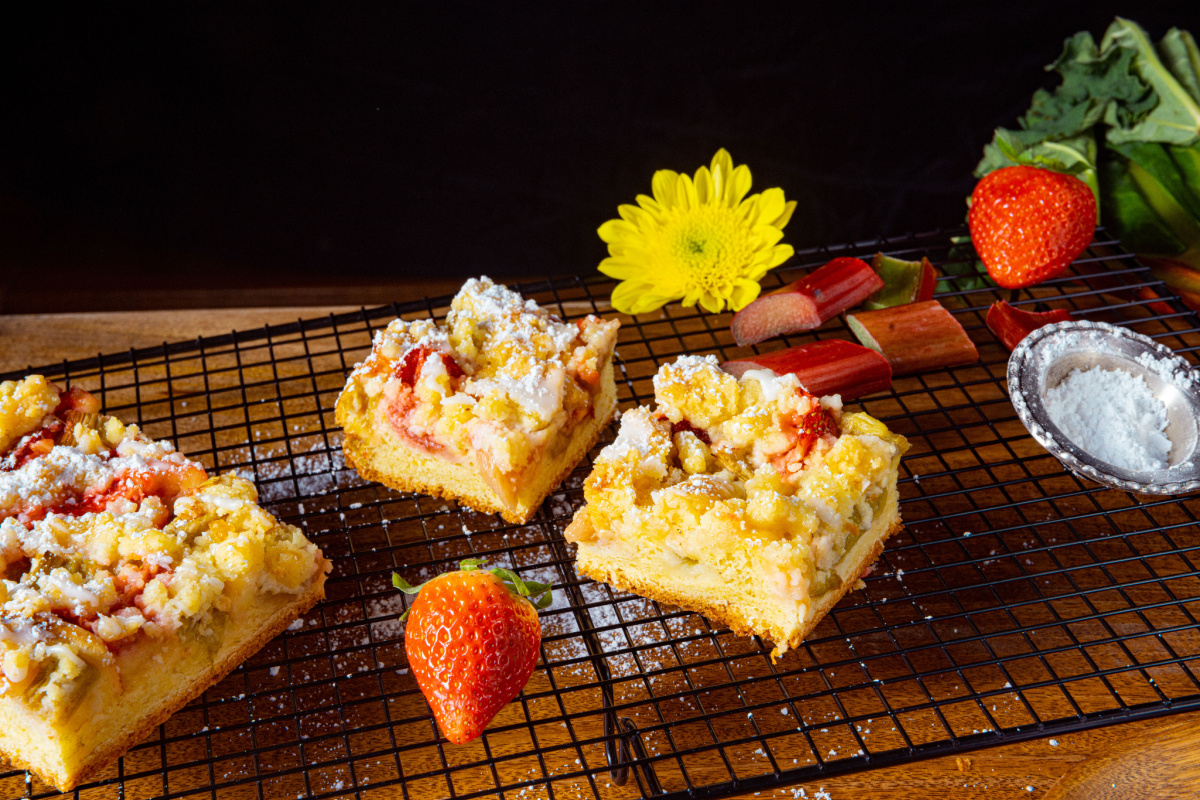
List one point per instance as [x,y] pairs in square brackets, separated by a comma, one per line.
[1126,213]
[1187,161]
[1092,80]
[1159,198]
[1179,54]
[1135,97]
[1169,181]
[1175,118]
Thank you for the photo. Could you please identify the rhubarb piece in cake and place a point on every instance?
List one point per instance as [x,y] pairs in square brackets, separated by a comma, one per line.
[132,581]
[747,500]
[492,408]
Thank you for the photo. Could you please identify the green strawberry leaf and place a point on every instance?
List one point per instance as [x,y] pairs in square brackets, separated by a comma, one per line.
[404,585]
[965,273]
[540,595]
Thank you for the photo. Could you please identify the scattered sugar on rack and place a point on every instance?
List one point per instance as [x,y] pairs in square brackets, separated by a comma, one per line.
[1113,415]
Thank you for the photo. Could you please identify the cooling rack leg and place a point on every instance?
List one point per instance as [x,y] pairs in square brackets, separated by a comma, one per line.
[633,738]
[616,749]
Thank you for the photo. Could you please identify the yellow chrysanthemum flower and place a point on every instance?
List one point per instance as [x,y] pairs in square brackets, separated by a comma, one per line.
[697,240]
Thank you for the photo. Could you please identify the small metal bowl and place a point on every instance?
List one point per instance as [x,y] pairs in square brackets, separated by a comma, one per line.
[1046,356]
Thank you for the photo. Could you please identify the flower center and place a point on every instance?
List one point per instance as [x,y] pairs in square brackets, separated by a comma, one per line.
[710,245]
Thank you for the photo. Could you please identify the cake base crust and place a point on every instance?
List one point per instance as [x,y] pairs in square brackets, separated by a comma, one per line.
[274,622]
[626,575]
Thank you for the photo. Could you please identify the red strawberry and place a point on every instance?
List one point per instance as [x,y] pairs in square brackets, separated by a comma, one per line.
[803,433]
[472,641]
[1028,224]
[410,365]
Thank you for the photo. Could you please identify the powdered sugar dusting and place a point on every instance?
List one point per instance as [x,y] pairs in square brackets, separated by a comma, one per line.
[1113,415]
[686,368]
[532,373]
[63,472]
[638,432]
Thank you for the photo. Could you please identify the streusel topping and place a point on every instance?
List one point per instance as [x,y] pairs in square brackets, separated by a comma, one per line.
[107,536]
[496,383]
[740,474]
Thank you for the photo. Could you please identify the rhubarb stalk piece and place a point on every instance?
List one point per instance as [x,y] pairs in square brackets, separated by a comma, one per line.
[1096,276]
[1181,278]
[903,282]
[1190,299]
[1011,325]
[917,337]
[807,303]
[831,366]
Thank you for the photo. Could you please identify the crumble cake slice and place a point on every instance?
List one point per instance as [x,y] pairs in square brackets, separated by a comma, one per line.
[747,500]
[493,408]
[131,581]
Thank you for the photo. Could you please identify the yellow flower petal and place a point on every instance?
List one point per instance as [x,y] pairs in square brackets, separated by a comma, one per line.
[619,269]
[629,296]
[663,187]
[768,234]
[781,253]
[770,205]
[700,240]
[739,184]
[723,163]
[786,216]
[705,191]
[748,210]
[744,291]
[616,230]
[711,303]
[639,218]
[650,205]
[685,192]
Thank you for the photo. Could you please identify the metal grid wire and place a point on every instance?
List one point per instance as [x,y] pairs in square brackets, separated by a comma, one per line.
[1019,601]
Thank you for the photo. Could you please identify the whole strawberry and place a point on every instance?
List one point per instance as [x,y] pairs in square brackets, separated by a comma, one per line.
[1028,224]
[472,641]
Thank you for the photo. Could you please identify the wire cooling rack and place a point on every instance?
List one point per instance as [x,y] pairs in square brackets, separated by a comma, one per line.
[1019,601]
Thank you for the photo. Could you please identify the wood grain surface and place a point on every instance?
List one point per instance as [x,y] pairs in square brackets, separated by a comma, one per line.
[1020,770]
[1163,762]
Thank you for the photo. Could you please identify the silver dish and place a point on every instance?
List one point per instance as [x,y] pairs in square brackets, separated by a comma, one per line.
[1046,356]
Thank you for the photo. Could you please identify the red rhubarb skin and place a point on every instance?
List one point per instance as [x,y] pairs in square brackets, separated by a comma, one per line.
[807,303]
[919,337]
[928,282]
[832,366]
[1011,325]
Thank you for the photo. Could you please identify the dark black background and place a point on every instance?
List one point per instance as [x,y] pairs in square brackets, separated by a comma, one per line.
[337,142]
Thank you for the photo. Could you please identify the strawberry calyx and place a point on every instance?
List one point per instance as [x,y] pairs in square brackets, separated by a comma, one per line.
[539,595]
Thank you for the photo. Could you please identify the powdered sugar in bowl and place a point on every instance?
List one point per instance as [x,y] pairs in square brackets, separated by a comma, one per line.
[1112,405]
